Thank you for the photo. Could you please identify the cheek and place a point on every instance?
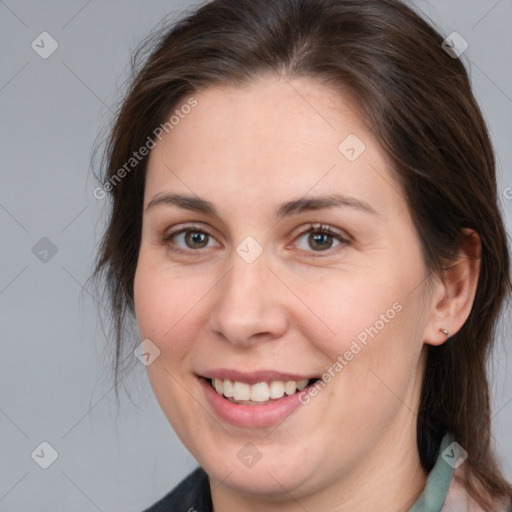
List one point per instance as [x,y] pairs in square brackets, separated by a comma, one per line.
[347,307]
[370,329]
[171,310]
[164,309]
[164,300]
[150,299]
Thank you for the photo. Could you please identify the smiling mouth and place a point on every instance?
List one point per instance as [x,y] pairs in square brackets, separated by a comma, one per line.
[261,393]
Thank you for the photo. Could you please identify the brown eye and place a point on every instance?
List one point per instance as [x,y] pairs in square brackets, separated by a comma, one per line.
[320,241]
[187,239]
[320,238]
[196,239]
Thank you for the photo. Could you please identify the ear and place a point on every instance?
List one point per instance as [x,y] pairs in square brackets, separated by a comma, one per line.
[454,291]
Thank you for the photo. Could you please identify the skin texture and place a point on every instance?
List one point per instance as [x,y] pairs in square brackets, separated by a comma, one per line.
[294,309]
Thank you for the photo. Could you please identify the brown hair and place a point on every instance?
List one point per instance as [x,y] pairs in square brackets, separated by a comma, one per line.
[417,101]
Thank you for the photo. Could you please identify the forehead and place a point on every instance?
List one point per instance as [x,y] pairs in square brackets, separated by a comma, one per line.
[270,138]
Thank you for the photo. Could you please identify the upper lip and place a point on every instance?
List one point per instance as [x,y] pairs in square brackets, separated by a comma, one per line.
[253,377]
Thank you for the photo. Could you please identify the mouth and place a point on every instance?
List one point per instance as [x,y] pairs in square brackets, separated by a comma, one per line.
[258,394]
[254,399]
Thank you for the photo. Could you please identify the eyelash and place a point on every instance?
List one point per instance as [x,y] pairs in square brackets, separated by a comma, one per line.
[311,228]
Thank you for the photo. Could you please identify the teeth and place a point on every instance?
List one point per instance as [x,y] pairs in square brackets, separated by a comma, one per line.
[276,389]
[260,392]
[241,391]
[290,387]
[217,383]
[301,384]
[227,388]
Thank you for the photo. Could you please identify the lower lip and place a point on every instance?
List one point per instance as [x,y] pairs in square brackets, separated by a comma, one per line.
[250,415]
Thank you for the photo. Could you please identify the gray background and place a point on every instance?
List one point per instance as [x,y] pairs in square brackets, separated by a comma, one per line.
[54,381]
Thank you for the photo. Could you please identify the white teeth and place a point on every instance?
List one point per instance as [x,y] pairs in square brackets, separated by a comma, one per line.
[241,391]
[301,384]
[290,387]
[217,384]
[276,389]
[228,388]
[260,392]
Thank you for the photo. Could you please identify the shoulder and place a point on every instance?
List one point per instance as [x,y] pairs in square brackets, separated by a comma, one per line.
[192,494]
[459,500]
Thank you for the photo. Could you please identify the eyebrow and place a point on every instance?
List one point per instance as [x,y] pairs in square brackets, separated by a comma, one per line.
[320,202]
[293,207]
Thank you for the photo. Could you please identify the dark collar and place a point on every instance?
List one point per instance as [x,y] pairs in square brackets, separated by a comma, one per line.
[191,495]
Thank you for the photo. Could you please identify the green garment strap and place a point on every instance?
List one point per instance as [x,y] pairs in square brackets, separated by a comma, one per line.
[438,482]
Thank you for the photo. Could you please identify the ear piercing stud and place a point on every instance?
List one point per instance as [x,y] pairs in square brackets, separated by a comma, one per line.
[444,331]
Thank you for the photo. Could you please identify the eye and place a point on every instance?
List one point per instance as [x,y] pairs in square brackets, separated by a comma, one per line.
[320,239]
[189,239]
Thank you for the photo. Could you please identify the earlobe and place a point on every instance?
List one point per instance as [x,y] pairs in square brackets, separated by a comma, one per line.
[452,303]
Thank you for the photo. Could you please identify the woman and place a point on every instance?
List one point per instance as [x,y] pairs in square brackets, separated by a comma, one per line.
[305,226]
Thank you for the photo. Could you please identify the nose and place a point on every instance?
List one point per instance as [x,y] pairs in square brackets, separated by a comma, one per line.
[248,304]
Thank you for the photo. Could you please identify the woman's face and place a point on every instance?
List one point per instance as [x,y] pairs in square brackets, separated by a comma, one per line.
[249,290]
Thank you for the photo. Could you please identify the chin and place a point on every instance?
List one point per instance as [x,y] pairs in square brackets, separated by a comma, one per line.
[273,472]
